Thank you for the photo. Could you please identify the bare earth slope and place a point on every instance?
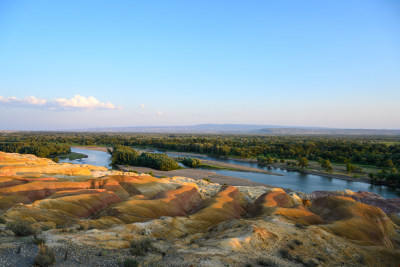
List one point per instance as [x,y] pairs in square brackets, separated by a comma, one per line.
[90,216]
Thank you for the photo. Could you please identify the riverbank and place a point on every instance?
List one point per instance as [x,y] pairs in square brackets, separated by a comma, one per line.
[197,174]
[306,171]
[281,166]
[72,156]
[245,168]
[95,148]
[329,175]
[235,167]
[294,179]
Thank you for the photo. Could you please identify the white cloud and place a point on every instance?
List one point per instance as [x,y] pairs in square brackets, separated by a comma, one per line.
[30,101]
[159,113]
[76,103]
[142,106]
[81,102]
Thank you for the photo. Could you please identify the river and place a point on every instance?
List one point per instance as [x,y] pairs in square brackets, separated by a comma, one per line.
[97,158]
[290,179]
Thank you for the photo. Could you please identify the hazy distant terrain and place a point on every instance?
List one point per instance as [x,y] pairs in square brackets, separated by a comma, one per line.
[244,129]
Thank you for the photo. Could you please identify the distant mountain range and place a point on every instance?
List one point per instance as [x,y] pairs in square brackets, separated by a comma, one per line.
[243,129]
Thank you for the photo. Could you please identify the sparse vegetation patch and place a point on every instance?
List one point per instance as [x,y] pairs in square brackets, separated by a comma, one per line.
[140,247]
[46,257]
[21,228]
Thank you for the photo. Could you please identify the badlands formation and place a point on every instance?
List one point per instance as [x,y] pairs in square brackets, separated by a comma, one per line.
[91,216]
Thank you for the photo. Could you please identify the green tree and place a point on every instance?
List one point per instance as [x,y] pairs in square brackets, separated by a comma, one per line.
[350,168]
[302,162]
[191,162]
[261,159]
[388,163]
[124,155]
[326,164]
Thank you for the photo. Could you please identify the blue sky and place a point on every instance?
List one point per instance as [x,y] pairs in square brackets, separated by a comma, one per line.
[78,64]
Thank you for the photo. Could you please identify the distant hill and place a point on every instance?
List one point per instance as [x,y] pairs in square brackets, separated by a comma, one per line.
[325,131]
[242,129]
[200,128]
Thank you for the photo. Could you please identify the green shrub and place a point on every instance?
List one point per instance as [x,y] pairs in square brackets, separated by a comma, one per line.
[300,226]
[297,242]
[268,262]
[360,259]
[38,240]
[2,220]
[45,257]
[291,246]
[191,162]
[130,263]
[21,228]
[140,247]
[311,263]
[285,253]
[207,180]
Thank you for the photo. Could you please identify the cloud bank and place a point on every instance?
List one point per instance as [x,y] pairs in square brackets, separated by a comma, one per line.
[76,103]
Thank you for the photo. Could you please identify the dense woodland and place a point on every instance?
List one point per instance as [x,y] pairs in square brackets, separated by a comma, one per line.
[124,155]
[40,149]
[382,152]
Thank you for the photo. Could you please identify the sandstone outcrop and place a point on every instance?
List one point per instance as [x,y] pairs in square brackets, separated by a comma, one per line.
[389,206]
[13,164]
[353,220]
[177,202]
[278,202]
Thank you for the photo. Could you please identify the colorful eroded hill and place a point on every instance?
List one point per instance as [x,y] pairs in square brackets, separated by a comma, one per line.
[85,211]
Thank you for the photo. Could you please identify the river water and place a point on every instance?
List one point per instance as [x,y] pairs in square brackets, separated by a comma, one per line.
[97,158]
[290,179]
